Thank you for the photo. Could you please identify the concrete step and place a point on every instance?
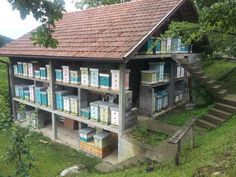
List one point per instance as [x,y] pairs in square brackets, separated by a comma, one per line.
[216,88]
[213,119]
[222,93]
[188,65]
[205,124]
[199,73]
[230,100]
[211,82]
[204,79]
[219,113]
[194,69]
[225,107]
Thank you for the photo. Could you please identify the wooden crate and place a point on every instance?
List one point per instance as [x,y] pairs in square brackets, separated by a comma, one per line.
[91,149]
[71,124]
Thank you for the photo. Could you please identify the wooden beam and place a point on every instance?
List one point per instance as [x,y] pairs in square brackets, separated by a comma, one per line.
[172,84]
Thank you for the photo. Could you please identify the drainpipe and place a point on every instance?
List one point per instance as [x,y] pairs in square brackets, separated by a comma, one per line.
[9,86]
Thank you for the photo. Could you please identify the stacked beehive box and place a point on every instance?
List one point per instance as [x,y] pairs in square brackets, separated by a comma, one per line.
[59,98]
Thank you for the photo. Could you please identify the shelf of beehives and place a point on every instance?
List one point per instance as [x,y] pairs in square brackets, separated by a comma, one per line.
[157,84]
[157,114]
[37,106]
[158,55]
[87,121]
[31,78]
[89,88]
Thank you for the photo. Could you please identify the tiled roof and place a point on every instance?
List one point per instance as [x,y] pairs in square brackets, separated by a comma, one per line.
[107,32]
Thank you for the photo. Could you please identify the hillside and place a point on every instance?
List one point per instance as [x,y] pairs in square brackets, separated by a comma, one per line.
[4,40]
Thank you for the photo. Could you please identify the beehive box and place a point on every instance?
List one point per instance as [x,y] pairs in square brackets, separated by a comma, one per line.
[104,80]
[75,77]
[44,98]
[36,121]
[182,72]
[37,74]
[66,103]
[66,74]
[158,46]
[148,77]
[178,72]
[94,77]
[74,103]
[21,89]
[84,76]
[28,115]
[92,150]
[21,115]
[30,70]
[164,46]
[85,112]
[25,69]
[26,95]
[148,47]
[105,115]
[43,73]
[15,69]
[102,139]
[94,107]
[159,67]
[86,134]
[165,99]
[115,79]
[20,68]
[58,75]
[184,48]
[115,115]
[168,45]
[175,44]
[59,98]
[38,90]
[159,103]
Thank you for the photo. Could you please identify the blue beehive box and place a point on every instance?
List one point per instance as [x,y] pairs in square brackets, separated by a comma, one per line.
[86,134]
[58,74]
[148,47]
[43,73]
[38,90]
[75,77]
[26,94]
[21,90]
[85,112]
[185,48]
[17,91]
[20,68]
[59,99]
[37,74]
[104,80]
[158,46]
[44,98]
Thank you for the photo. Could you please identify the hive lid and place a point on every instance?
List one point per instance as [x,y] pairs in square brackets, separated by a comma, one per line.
[106,104]
[96,103]
[101,135]
[114,108]
[94,69]
[86,109]
[149,71]
[87,130]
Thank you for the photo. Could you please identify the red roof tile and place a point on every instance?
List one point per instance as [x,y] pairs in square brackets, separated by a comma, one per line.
[107,32]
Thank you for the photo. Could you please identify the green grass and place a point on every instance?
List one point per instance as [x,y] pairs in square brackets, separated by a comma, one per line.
[218,68]
[180,116]
[142,134]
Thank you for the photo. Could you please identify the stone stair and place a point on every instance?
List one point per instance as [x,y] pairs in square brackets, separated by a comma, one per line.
[225,104]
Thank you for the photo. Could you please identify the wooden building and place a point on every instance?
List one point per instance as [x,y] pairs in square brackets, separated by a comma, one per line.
[109,68]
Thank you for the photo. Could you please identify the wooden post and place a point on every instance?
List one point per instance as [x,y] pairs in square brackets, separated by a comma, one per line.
[193,137]
[53,102]
[172,83]
[178,153]
[11,87]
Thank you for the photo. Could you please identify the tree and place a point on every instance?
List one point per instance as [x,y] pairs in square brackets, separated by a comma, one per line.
[4,40]
[45,11]
[217,21]
[82,4]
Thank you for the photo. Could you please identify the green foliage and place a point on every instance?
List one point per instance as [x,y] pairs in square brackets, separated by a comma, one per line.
[180,116]
[217,21]
[45,11]
[142,134]
[83,4]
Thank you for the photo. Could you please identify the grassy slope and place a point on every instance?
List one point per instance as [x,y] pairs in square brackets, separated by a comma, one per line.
[217,68]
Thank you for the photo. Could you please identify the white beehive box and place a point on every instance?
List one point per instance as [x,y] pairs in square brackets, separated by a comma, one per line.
[115,79]
[94,108]
[105,112]
[94,77]
[168,45]
[182,72]
[25,69]
[75,77]
[31,93]
[115,115]
[84,76]
[66,74]
[178,72]
[74,103]
[30,69]
[66,103]
[159,103]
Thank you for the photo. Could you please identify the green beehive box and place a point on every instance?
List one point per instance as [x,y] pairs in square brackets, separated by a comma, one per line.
[148,77]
